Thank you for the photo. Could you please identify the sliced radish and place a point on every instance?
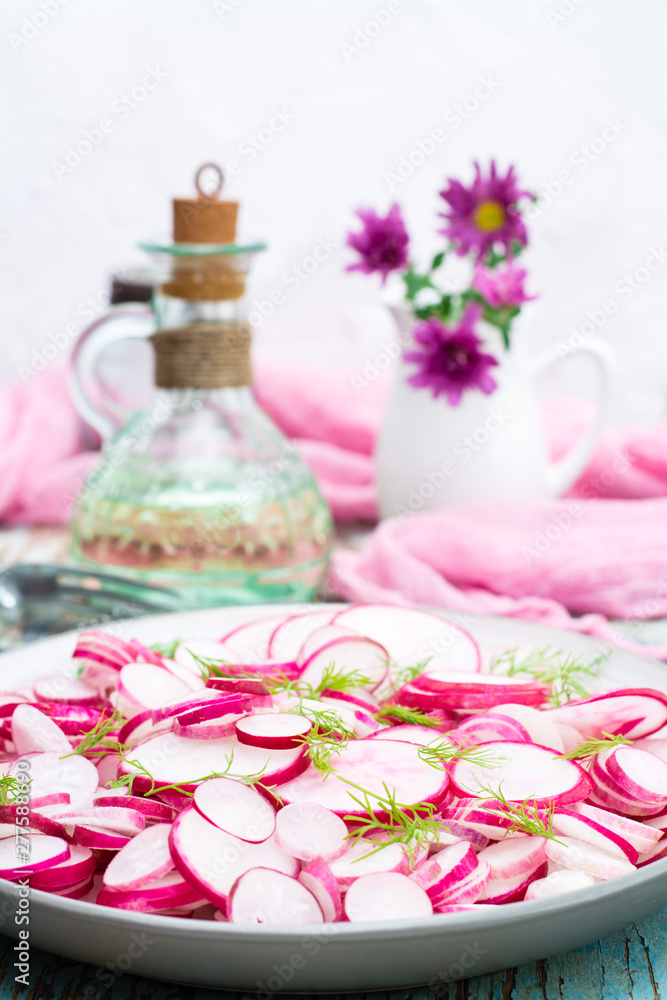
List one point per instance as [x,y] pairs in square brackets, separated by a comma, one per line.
[412,636]
[640,835]
[98,839]
[364,857]
[385,896]
[143,727]
[478,691]
[349,654]
[526,771]
[112,819]
[655,853]
[369,763]
[149,686]
[445,869]
[320,638]
[482,728]
[254,686]
[571,853]
[321,881]
[633,712]
[558,883]
[288,637]
[468,890]
[540,728]
[236,808]
[41,852]
[172,759]
[73,720]
[171,890]
[265,896]
[251,640]
[515,856]
[510,890]
[65,690]
[212,860]
[152,810]
[33,732]
[309,832]
[576,825]
[274,730]
[78,867]
[103,648]
[145,858]
[421,736]
[183,674]
[639,772]
[50,773]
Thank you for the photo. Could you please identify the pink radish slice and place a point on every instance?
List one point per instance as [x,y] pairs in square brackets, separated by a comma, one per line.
[607,800]
[288,637]
[188,652]
[274,730]
[182,674]
[55,799]
[320,880]
[149,686]
[171,890]
[570,737]
[538,725]
[658,823]
[527,771]
[485,727]
[643,774]
[172,760]
[144,653]
[65,691]
[655,853]
[320,638]
[468,890]
[209,729]
[359,699]
[112,819]
[347,654]
[103,648]
[419,735]
[444,869]
[142,727]
[214,708]
[238,685]
[33,732]
[571,853]
[575,825]
[107,770]
[633,712]
[412,636]
[251,641]
[265,896]
[145,858]
[510,890]
[309,832]
[78,867]
[363,858]
[98,839]
[49,773]
[212,860]
[640,835]
[369,763]
[652,744]
[193,700]
[151,809]
[99,677]
[74,720]
[558,883]
[478,691]
[77,891]
[456,908]
[385,896]
[41,852]
[634,801]
[236,809]
[516,856]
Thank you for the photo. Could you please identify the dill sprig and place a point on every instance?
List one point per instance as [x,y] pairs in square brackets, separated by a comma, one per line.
[211,667]
[94,743]
[406,675]
[412,826]
[409,716]
[12,789]
[524,817]
[337,679]
[166,649]
[328,736]
[591,747]
[446,752]
[565,673]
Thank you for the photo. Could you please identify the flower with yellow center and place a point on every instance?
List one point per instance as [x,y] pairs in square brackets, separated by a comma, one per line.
[489,216]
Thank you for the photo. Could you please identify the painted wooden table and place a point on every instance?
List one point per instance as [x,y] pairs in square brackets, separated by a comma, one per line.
[629,964]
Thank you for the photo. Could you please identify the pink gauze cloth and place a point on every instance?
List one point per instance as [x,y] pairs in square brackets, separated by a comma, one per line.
[611,559]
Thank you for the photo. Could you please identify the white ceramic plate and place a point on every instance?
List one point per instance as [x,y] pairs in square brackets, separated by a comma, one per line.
[334,957]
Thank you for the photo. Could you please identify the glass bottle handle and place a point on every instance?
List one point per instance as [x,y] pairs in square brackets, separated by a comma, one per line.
[92,400]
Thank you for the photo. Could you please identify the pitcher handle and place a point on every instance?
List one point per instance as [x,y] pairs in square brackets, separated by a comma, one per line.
[90,396]
[560,475]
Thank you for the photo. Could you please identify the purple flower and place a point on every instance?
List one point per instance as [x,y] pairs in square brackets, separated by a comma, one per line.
[450,360]
[382,243]
[502,287]
[485,213]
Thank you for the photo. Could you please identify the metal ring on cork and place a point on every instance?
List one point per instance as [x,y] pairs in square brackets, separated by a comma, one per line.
[220,180]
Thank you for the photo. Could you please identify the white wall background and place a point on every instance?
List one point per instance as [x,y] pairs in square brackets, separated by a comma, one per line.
[560,70]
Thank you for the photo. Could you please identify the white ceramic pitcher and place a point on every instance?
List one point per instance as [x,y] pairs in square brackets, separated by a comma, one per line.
[430,454]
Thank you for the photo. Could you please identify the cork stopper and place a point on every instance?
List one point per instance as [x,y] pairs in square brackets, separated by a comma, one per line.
[205,219]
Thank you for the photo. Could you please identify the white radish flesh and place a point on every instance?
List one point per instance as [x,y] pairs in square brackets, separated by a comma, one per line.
[40,852]
[236,808]
[348,654]
[273,730]
[364,858]
[320,880]
[558,884]
[145,858]
[78,867]
[149,686]
[516,856]
[385,896]
[34,732]
[309,832]
[634,712]
[526,771]
[50,773]
[575,825]
[265,896]
[576,854]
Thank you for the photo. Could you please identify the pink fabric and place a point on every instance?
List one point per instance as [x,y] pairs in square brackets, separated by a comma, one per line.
[603,556]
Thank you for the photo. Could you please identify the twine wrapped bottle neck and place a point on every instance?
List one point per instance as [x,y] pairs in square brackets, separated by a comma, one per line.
[203,355]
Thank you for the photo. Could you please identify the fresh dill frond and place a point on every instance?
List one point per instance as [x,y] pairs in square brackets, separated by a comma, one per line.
[328,736]
[591,747]
[166,649]
[446,752]
[564,673]
[94,743]
[11,789]
[412,826]
[337,679]
[525,817]
[211,667]
[406,675]
[409,716]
